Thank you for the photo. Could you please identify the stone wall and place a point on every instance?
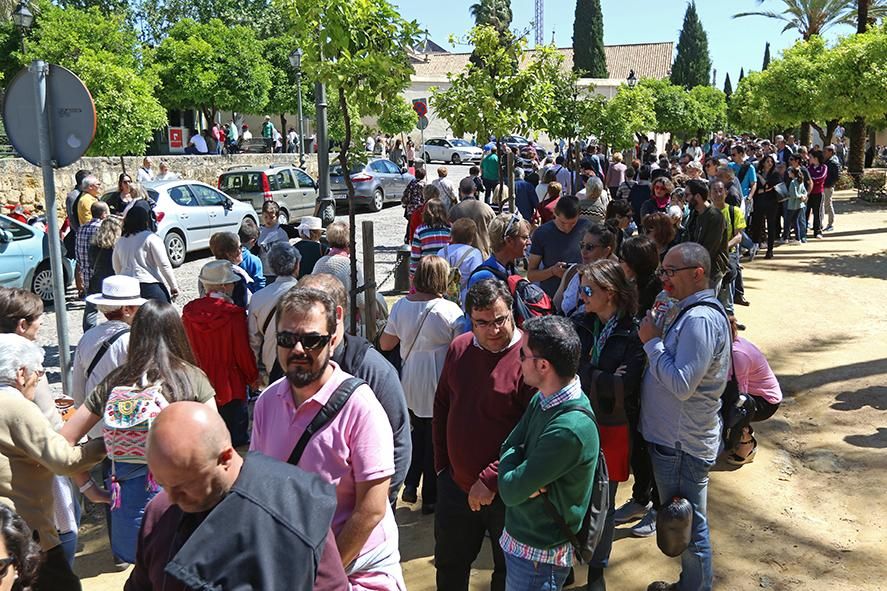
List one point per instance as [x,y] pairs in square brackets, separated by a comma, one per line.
[22,182]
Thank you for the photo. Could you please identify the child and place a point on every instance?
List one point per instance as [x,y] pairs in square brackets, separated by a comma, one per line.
[225,246]
[794,207]
[270,233]
[249,234]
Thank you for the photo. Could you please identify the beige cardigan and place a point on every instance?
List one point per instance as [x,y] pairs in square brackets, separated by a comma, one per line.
[31,452]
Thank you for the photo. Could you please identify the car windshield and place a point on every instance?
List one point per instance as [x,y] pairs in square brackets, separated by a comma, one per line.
[245,182]
[153,195]
[336,169]
[519,140]
[460,143]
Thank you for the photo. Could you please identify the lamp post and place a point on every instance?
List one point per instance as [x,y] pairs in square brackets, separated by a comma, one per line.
[632,79]
[23,19]
[296,63]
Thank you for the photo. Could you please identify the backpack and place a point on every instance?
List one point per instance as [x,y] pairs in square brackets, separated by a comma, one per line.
[529,299]
[129,412]
[591,530]
[454,280]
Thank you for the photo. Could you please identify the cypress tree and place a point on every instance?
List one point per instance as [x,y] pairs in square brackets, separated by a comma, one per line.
[766,56]
[692,63]
[741,74]
[728,86]
[588,40]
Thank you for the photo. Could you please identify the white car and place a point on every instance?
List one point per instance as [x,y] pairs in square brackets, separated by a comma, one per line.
[189,212]
[450,149]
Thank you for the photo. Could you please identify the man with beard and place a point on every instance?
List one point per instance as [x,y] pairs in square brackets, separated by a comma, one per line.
[281,513]
[352,450]
[707,226]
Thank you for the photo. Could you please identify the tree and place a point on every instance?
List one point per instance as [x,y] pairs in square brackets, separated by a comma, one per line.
[397,116]
[630,111]
[674,109]
[815,17]
[213,67]
[588,40]
[766,56]
[692,63]
[709,107]
[749,109]
[493,13]
[155,18]
[741,74]
[104,52]
[360,50]
[283,97]
[728,87]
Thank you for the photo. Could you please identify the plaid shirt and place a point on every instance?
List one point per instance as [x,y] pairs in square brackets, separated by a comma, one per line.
[561,555]
[81,248]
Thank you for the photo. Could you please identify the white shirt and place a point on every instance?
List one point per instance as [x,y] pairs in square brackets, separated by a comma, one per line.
[144,257]
[565,178]
[199,143]
[87,349]
[449,196]
[166,176]
[144,175]
[471,259]
[246,135]
[263,302]
[267,238]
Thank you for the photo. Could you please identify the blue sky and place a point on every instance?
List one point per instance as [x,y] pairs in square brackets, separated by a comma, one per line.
[733,44]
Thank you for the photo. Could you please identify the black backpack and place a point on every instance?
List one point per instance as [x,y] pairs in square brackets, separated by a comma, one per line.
[590,532]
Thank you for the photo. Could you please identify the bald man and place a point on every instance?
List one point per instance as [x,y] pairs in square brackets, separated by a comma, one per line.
[215,504]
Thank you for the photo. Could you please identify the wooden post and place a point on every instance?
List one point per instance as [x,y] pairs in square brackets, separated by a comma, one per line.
[510,160]
[369,279]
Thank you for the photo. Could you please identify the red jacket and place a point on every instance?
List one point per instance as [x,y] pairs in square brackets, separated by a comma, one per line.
[218,335]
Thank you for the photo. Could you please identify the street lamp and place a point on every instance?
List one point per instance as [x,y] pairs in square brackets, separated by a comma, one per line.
[23,19]
[632,79]
[296,63]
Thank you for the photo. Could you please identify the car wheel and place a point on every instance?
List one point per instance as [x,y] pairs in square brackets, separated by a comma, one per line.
[41,283]
[426,157]
[175,248]
[378,200]
[327,213]
[283,217]
[456,160]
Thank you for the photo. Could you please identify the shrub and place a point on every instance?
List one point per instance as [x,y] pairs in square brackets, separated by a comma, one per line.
[871,186]
[845,181]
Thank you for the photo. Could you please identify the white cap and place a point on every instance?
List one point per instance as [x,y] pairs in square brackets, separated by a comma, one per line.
[118,290]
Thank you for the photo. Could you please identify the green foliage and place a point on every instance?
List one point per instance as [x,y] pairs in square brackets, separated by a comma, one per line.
[856,66]
[794,84]
[766,56]
[155,18]
[492,13]
[710,108]
[397,116]
[692,64]
[815,17]
[283,97]
[588,40]
[576,113]
[213,67]
[630,111]
[9,51]
[728,86]
[674,110]
[749,109]
[104,52]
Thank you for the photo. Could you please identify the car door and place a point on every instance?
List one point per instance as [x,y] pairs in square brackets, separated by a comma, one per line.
[446,150]
[398,181]
[221,218]
[383,174]
[14,261]
[307,190]
[192,219]
[286,194]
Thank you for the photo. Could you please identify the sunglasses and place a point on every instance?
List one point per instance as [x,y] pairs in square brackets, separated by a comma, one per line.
[588,247]
[586,290]
[663,272]
[310,342]
[515,218]
[5,563]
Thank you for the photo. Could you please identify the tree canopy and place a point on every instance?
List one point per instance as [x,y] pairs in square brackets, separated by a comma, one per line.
[815,17]
[588,40]
[692,64]
[493,13]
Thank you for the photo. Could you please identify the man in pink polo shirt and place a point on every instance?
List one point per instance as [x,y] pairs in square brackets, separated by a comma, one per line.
[354,450]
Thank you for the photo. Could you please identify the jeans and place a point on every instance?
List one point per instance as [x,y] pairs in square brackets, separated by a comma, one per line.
[814,202]
[90,316]
[422,462]
[55,574]
[135,492]
[828,208]
[680,474]
[526,575]
[236,417]
[459,533]
[794,221]
[155,291]
[489,187]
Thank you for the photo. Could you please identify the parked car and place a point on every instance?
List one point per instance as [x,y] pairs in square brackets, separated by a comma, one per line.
[294,190]
[453,150]
[189,212]
[378,181]
[522,144]
[24,259]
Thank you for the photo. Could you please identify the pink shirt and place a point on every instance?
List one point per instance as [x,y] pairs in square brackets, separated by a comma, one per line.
[356,446]
[753,373]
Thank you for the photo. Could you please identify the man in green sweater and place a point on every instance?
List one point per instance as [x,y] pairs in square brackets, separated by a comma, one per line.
[552,451]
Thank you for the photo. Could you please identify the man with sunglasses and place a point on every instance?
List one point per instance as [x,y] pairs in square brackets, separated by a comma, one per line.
[353,450]
[481,396]
[688,363]
[707,226]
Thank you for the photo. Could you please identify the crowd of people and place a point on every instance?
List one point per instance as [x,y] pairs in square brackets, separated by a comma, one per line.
[594,322]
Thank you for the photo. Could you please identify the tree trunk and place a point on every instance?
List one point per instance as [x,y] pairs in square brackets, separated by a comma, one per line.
[856,134]
[352,222]
[283,132]
[821,132]
[862,9]
[830,126]
[806,134]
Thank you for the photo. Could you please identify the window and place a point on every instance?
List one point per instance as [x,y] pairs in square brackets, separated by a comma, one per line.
[247,182]
[182,196]
[17,231]
[305,181]
[379,166]
[391,166]
[208,197]
[285,180]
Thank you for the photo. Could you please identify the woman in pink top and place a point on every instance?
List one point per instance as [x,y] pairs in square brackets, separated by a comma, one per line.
[756,381]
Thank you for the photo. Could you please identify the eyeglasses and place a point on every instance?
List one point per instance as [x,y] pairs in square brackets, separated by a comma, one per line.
[524,356]
[5,563]
[586,290]
[589,247]
[310,342]
[497,322]
[663,272]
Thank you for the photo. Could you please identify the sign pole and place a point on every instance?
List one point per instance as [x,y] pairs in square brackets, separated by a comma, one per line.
[41,100]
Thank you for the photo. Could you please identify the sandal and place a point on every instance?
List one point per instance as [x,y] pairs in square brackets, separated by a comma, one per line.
[735,459]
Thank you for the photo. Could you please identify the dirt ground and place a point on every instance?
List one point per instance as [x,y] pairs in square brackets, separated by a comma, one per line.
[810,512]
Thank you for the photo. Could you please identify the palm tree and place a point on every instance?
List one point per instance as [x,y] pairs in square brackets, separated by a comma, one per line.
[814,17]
[495,13]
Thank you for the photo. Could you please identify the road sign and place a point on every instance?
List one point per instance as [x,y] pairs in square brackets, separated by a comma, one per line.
[69,109]
[422,123]
[420,106]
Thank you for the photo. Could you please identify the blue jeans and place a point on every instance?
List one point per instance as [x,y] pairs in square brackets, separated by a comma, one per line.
[680,474]
[525,575]
[126,521]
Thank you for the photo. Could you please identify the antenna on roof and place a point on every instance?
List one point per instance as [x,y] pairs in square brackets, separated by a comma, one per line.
[552,37]
[540,27]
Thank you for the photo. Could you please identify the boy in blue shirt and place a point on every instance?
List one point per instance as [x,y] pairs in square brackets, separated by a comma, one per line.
[249,233]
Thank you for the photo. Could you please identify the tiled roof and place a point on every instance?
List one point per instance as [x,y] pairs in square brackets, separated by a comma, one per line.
[648,60]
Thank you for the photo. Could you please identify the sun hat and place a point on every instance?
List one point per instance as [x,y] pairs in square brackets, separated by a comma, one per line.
[218,273]
[118,290]
[308,223]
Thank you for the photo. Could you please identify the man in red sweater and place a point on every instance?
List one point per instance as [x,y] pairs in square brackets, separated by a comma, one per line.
[480,397]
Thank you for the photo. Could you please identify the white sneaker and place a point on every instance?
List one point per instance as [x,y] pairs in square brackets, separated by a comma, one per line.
[646,527]
[630,511]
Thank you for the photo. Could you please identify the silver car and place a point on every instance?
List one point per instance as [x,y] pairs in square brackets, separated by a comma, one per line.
[377,182]
[189,212]
[290,187]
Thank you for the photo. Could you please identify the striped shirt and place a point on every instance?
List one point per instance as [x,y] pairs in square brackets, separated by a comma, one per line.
[427,240]
[561,555]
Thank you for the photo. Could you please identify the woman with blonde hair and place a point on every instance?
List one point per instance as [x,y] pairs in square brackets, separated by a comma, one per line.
[424,324]
[101,251]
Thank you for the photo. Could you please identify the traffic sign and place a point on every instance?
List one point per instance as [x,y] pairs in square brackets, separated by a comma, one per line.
[420,106]
[422,123]
[69,109]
